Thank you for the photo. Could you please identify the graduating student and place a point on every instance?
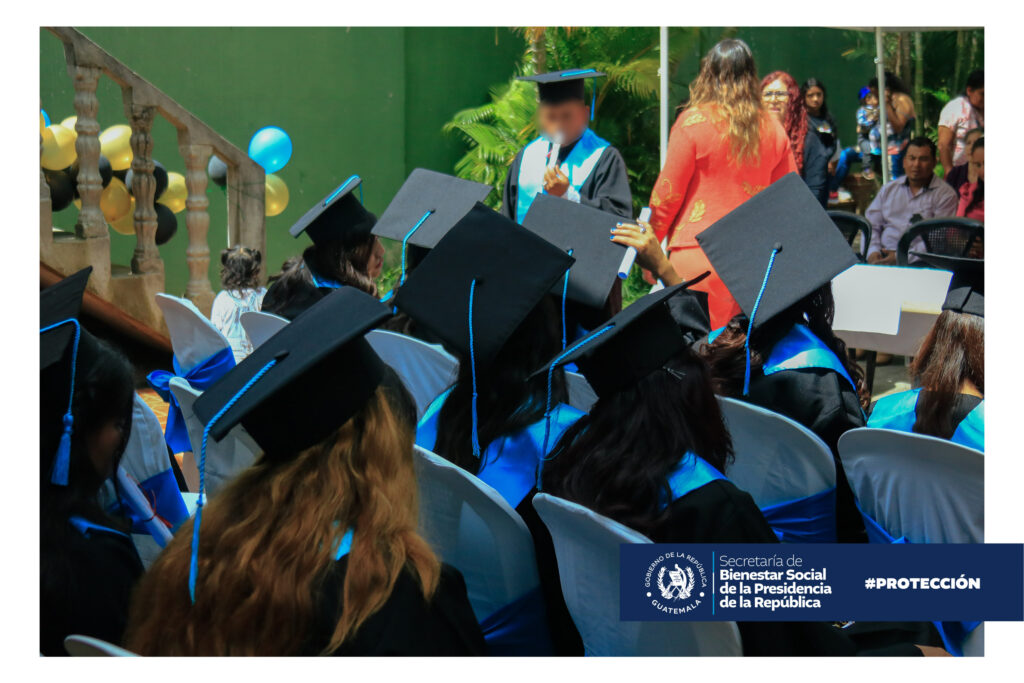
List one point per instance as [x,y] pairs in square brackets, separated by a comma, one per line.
[313,549]
[344,253]
[588,169]
[948,372]
[650,455]
[87,561]
[780,275]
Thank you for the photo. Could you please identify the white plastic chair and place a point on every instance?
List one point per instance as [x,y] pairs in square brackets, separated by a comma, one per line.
[925,489]
[776,458]
[225,458]
[193,337]
[587,548]
[261,326]
[425,369]
[471,527]
[581,395]
[87,646]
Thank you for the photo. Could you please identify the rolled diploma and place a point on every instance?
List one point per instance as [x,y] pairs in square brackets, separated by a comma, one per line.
[630,255]
[556,147]
[137,502]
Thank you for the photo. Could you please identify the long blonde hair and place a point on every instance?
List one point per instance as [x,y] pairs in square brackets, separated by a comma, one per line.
[268,543]
[728,83]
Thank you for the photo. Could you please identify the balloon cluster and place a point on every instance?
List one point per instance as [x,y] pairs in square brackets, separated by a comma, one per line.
[117,202]
[271,148]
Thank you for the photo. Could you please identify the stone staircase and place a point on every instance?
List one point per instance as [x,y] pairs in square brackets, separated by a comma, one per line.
[132,288]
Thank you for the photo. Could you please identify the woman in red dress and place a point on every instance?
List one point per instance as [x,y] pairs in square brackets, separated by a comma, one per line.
[724,148]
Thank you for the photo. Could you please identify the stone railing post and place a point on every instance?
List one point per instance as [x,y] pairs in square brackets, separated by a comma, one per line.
[91,222]
[197,220]
[146,258]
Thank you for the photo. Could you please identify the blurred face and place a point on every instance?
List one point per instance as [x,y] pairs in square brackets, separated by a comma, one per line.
[977,98]
[919,163]
[105,444]
[376,263]
[871,99]
[570,118]
[775,97]
[813,100]
[978,162]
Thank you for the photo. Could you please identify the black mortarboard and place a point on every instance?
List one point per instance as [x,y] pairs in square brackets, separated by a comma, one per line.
[64,347]
[513,270]
[338,216]
[559,86]
[305,381]
[584,232]
[784,226]
[966,287]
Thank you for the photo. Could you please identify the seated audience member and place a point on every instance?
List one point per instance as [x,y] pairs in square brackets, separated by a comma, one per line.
[87,561]
[959,116]
[313,549]
[344,253]
[972,195]
[948,372]
[963,173]
[241,292]
[900,118]
[650,455]
[919,195]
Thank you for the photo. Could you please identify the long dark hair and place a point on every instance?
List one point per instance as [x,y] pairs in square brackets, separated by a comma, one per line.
[344,263]
[893,83]
[509,400]
[824,113]
[979,190]
[616,460]
[952,353]
[240,268]
[727,357]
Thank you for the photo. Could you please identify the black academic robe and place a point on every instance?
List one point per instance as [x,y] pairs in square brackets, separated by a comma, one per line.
[302,296]
[406,625]
[606,188]
[91,596]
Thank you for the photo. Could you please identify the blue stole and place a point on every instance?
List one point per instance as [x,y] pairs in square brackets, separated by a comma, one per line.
[204,374]
[509,464]
[323,283]
[85,527]
[690,474]
[899,412]
[801,349]
[578,165]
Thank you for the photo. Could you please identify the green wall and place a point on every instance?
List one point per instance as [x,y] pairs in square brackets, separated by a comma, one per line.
[361,100]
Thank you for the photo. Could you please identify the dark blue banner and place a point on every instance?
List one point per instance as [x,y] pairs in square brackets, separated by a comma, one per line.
[821,582]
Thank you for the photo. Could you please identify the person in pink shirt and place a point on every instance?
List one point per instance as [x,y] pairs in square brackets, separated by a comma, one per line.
[972,195]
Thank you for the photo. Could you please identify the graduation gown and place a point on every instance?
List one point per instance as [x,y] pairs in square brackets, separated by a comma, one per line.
[899,411]
[406,625]
[606,187]
[94,592]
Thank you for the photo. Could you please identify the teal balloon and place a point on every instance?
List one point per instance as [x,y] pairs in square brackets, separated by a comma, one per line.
[271,148]
[46,117]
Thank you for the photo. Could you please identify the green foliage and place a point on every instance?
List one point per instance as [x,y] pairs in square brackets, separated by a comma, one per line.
[634,287]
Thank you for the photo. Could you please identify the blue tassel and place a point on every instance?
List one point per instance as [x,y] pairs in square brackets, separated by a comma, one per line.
[472,368]
[62,463]
[565,291]
[405,245]
[753,313]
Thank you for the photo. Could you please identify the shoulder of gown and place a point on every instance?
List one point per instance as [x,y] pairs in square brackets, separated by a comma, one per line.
[509,195]
[607,186]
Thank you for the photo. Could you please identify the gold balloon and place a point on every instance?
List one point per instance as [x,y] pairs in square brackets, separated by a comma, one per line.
[115,201]
[58,148]
[125,225]
[277,195]
[176,193]
[42,122]
[115,145]
[69,122]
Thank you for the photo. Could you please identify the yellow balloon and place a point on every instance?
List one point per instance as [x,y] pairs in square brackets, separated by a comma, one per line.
[42,122]
[125,225]
[176,193]
[277,195]
[58,148]
[115,201]
[115,145]
[69,122]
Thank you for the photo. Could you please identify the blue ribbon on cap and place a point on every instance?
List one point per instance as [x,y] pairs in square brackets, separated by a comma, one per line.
[405,246]
[62,460]
[341,188]
[565,291]
[593,95]
[472,369]
[753,313]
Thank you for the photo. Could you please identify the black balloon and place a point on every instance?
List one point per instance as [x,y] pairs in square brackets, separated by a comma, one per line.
[62,190]
[166,224]
[217,170]
[106,173]
[121,175]
[159,174]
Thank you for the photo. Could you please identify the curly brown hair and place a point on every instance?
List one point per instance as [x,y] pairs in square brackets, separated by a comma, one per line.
[796,116]
[240,268]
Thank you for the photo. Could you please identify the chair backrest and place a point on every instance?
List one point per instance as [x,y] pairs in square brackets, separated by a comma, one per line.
[471,527]
[776,458]
[581,395]
[951,236]
[926,489]
[587,550]
[427,370]
[193,337]
[225,458]
[851,224]
[87,646]
[261,326]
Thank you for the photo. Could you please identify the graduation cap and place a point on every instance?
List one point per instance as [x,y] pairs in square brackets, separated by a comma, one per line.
[774,249]
[479,283]
[296,388]
[559,86]
[64,346]
[966,287]
[426,207]
[339,216]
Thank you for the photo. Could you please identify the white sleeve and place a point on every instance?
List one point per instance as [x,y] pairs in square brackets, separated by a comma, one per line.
[572,195]
[950,113]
